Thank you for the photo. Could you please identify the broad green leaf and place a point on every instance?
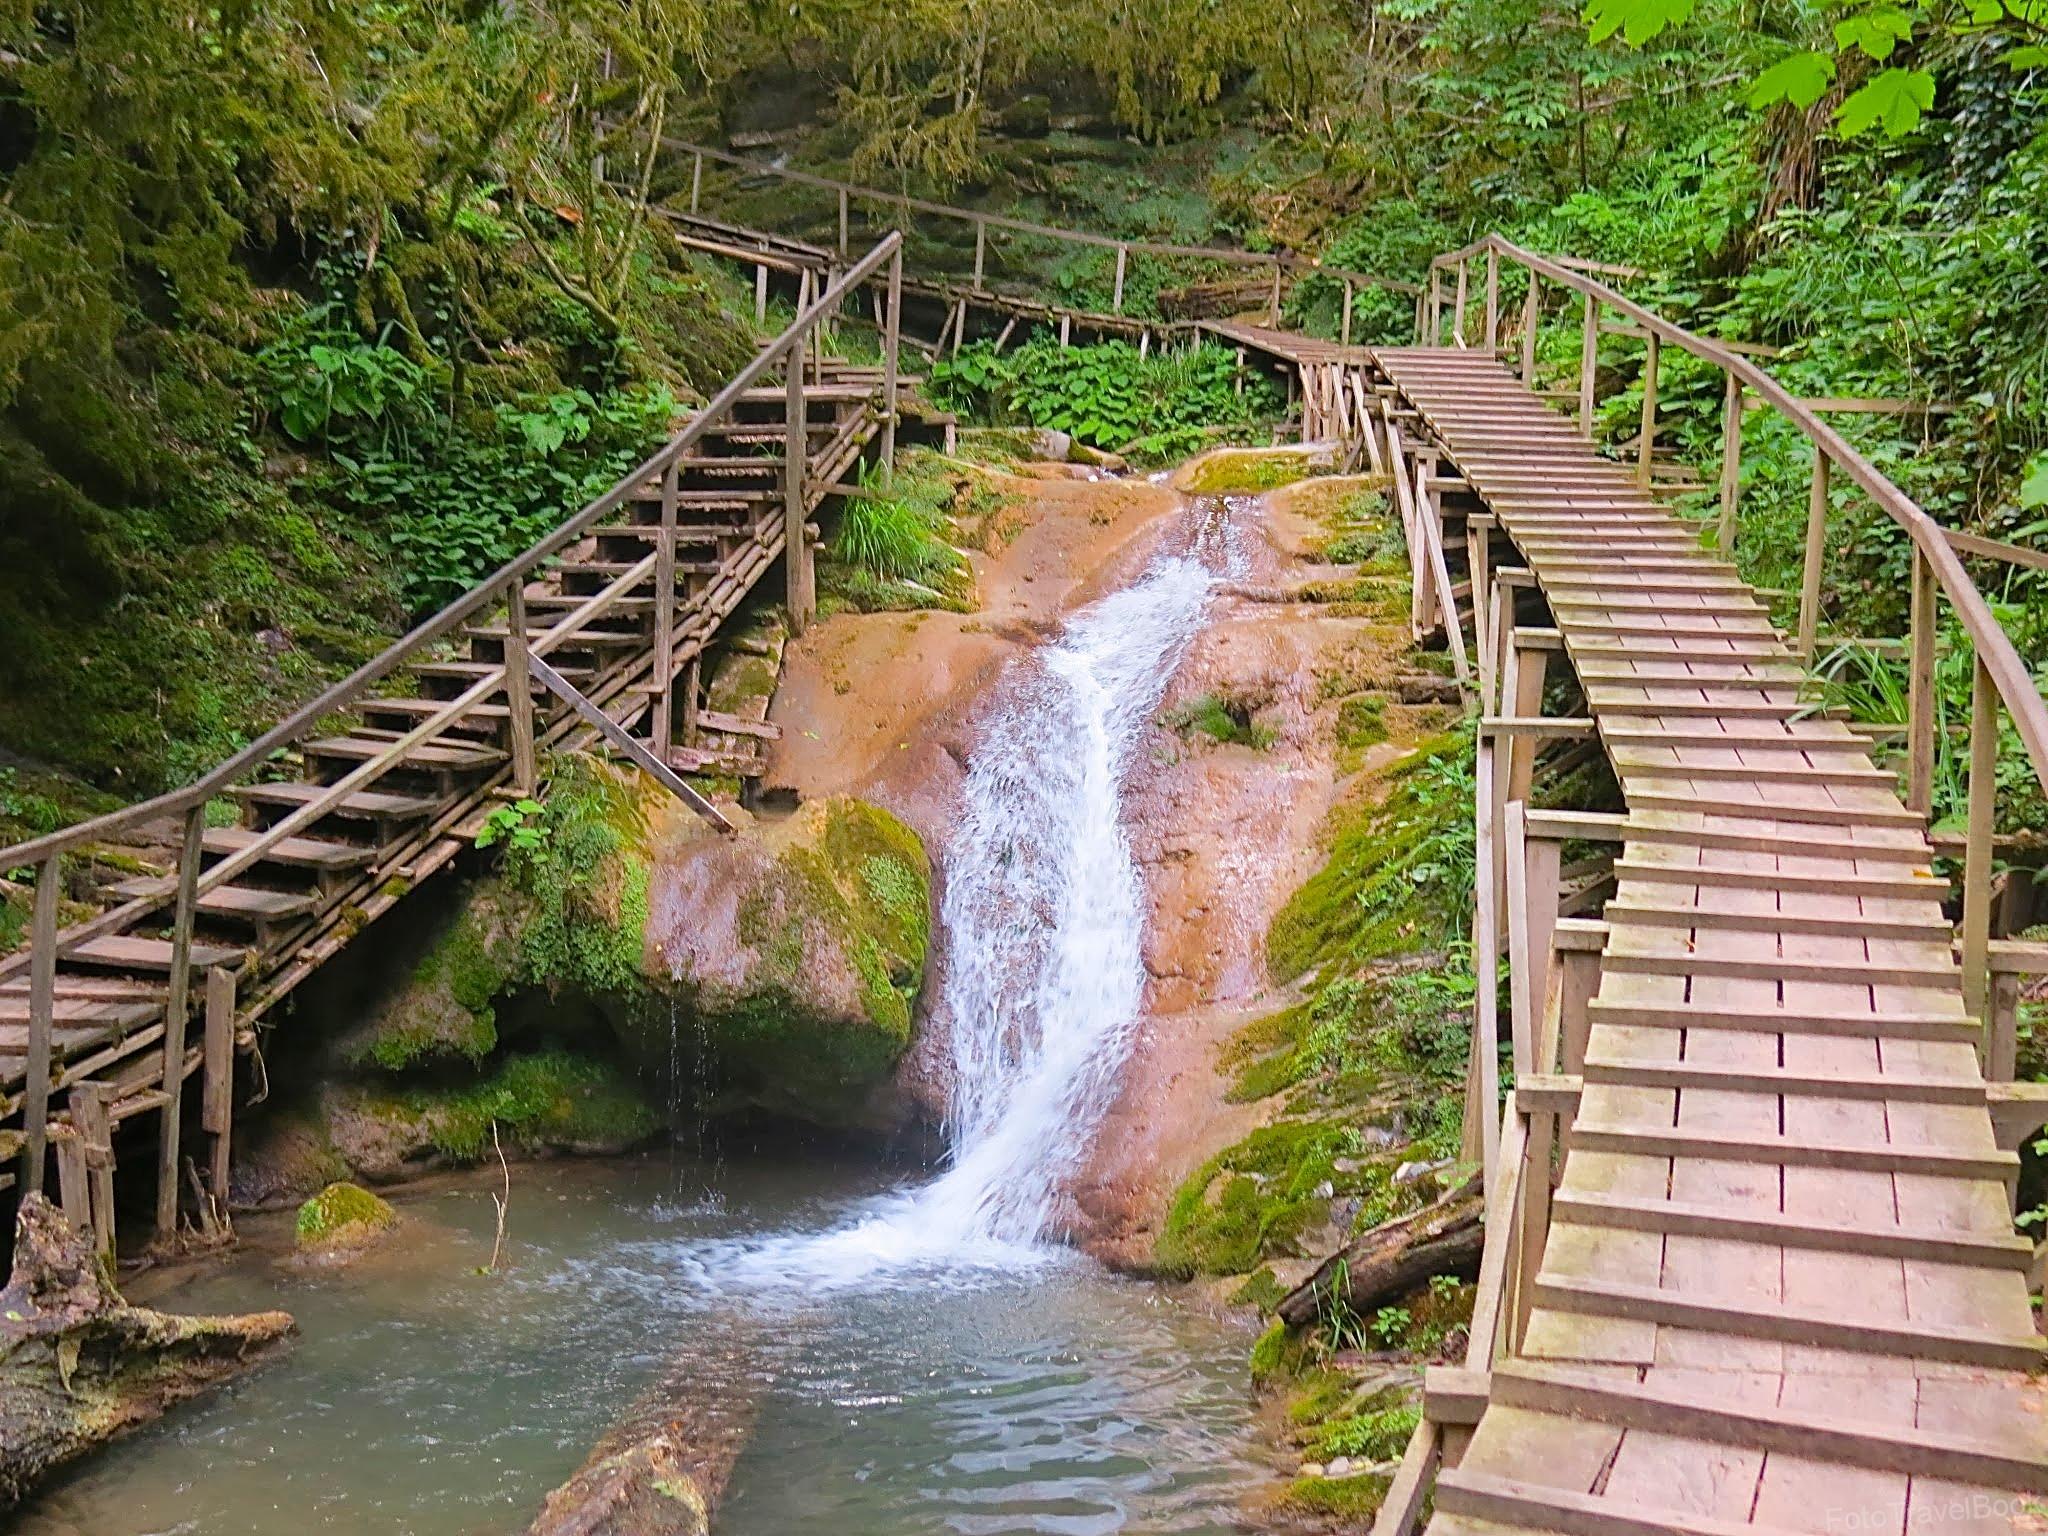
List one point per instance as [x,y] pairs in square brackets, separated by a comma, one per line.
[1636,20]
[2034,56]
[1801,79]
[1894,100]
[1877,32]
[2034,489]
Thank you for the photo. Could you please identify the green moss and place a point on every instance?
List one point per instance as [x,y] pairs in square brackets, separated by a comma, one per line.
[1261,1289]
[1228,472]
[1278,1353]
[1399,877]
[544,1100]
[1378,1435]
[447,1010]
[1349,1500]
[1362,722]
[1251,1201]
[341,1212]
[1221,719]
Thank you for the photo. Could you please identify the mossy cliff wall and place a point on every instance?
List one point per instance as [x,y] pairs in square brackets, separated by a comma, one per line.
[549,1009]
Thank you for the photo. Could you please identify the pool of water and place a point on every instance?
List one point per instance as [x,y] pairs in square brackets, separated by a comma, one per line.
[427,1399]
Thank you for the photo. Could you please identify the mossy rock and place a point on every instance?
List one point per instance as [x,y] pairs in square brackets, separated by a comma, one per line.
[445,1011]
[543,1102]
[342,1215]
[798,959]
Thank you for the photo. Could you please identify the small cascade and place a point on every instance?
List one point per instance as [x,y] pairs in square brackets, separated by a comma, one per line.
[1044,917]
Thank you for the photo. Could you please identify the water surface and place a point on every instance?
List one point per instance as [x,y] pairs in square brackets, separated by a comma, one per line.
[427,1400]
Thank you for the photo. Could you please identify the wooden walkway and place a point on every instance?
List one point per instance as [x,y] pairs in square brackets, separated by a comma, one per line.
[1781,1288]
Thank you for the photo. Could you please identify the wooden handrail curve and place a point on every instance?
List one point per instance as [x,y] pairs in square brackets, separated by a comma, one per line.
[477,600]
[1286,262]
[1995,653]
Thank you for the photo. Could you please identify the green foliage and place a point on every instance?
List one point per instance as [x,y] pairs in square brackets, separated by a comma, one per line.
[893,549]
[543,1099]
[1155,407]
[341,1212]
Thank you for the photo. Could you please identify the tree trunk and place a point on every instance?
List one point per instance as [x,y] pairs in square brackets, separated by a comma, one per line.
[662,1467]
[79,1366]
[1379,1267]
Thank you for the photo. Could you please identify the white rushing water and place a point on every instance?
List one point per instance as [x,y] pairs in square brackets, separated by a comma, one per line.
[1044,922]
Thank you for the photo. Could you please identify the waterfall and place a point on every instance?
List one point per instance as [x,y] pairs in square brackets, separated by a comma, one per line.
[1044,919]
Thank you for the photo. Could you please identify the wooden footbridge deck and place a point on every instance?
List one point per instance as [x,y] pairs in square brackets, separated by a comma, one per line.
[1751,1262]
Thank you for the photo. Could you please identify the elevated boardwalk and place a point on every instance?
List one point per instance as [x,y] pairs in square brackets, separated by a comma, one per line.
[1780,1288]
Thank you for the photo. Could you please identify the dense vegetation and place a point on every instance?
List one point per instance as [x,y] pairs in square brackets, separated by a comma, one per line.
[308,314]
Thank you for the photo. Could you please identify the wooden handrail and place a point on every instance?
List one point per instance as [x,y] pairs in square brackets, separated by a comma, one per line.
[1995,652]
[908,202]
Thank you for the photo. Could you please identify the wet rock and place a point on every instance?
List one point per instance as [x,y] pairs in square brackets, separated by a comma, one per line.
[796,957]
[79,1366]
[340,1221]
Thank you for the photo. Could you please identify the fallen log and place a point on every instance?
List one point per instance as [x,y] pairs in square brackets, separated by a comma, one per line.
[1217,299]
[660,1470]
[1379,1267]
[79,1366]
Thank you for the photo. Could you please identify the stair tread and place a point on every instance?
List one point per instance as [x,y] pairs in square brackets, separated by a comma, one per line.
[427,754]
[127,952]
[83,1010]
[361,803]
[233,900]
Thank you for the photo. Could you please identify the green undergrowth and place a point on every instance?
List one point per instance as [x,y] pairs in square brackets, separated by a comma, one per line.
[896,546]
[1153,409]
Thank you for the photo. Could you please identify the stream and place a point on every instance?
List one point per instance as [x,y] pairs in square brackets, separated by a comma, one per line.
[924,1358]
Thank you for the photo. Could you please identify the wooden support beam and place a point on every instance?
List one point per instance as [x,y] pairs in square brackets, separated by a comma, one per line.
[96,1135]
[218,1085]
[620,738]
[177,1011]
[1731,464]
[42,1017]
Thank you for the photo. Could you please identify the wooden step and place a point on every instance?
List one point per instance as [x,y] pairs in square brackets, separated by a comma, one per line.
[415,710]
[471,672]
[295,852]
[1904,886]
[1893,815]
[1724,919]
[1512,1502]
[125,952]
[1761,965]
[1938,1245]
[376,805]
[1892,1024]
[430,754]
[1795,1152]
[1902,1087]
[118,989]
[236,902]
[15,1008]
[1597,1396]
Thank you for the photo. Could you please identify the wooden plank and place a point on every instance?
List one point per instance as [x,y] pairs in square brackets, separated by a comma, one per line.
[1650,914]
[1603,1298]
[1889,1025]
[1938,1245]
[1542,1507]
[1886,1158]
[1562,1389]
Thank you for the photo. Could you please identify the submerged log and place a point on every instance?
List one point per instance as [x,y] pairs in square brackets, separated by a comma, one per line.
[1379,1267]
[79,1366]
[661,1468]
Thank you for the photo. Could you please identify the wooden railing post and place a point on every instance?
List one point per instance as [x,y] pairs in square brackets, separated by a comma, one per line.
[1116,299]
[697,181]
[1920,689]
[96,1133]
[1977,841]
[519,690]
[1646,442]
[1482,1096]
[796,548]
[1492,301]
[843,221]
[892,336]
[177,1009]
[760,294]
[42,1020]
[1273,303]
[1344,328]
[1532,314]
[981,253]
[1458,304]
[1816,548]
[664,667]
[1589,364]
[1731,463]
[217,1105]
[1433,301]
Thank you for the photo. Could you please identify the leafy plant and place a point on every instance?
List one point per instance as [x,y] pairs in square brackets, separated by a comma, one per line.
[521,826]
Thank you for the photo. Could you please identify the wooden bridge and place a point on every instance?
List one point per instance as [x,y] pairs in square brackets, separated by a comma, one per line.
[596,633]
[1750,1258]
